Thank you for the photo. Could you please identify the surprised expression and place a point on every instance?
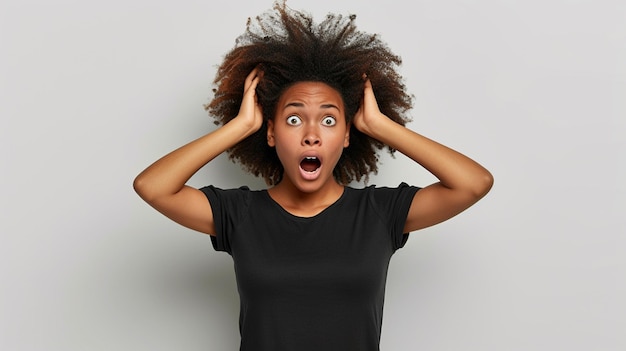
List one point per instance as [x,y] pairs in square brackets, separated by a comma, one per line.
[309,132]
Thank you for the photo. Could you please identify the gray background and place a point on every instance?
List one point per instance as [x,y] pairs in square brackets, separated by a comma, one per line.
[93,92]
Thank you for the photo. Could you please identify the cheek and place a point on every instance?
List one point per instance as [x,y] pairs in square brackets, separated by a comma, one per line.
[283,139]
[337,138]
[284,147]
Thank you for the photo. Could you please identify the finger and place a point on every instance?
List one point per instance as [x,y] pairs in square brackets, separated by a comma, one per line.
[253,78]
[368,83]
[368,92]
[252,89]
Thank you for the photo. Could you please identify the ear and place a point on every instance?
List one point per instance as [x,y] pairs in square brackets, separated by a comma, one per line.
[270,133]
[346,139]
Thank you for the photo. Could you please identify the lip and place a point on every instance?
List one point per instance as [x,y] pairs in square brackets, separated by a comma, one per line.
[310,175]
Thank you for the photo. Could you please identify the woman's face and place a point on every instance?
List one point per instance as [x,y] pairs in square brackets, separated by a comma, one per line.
[309,132]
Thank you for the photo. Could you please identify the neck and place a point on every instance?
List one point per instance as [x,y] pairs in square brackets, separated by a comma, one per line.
[305,204]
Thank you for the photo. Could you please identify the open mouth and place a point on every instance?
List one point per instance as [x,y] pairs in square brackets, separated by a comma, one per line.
[310,164]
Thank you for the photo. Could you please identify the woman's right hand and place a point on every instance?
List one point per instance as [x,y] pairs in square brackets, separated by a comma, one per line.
[250,111]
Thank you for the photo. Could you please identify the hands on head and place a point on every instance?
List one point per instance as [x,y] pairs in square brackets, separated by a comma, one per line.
[250,111]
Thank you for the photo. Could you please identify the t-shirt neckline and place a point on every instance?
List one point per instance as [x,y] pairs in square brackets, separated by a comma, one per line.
[282,210]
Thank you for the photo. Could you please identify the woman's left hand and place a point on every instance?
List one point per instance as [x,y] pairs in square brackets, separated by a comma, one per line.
[462,181]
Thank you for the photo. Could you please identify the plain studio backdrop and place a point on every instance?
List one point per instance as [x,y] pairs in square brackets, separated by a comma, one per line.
[92,92]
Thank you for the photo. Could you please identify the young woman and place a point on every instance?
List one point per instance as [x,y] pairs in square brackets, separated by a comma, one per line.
[307,106]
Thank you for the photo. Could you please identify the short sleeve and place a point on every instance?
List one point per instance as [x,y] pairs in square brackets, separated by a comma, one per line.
[393,205]
[229,208]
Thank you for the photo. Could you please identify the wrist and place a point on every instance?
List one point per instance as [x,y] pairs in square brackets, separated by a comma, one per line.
[245,126]
[378,127]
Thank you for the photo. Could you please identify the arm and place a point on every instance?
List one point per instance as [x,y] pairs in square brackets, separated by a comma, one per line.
[462,181]
[162,184]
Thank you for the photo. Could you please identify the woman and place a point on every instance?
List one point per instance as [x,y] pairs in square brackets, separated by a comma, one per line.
[307,106]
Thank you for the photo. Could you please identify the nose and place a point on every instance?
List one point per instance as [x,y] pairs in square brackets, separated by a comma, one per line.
[311,137]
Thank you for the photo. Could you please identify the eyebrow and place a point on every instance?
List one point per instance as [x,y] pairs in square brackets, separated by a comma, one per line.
[299,104]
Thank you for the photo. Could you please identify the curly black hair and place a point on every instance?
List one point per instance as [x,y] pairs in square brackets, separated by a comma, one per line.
[289,47]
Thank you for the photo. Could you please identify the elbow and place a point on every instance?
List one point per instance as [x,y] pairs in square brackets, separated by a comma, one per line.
[142,188]
[483,185]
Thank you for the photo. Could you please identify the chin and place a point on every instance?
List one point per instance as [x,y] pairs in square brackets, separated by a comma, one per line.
[318,185]
[308,187]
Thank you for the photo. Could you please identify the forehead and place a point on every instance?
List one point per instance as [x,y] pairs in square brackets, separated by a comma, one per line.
[311,93]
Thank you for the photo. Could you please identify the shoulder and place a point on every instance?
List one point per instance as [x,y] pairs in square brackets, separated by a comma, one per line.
[233,198]
[213,190]
[384,200]
[382,194]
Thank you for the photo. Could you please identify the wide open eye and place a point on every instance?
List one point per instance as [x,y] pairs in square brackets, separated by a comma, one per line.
[294,120]
[329,121]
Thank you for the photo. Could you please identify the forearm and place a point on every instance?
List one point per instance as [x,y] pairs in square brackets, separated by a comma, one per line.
[453,169]
[169,174]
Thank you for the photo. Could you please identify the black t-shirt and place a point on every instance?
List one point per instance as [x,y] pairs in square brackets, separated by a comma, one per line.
[311,283]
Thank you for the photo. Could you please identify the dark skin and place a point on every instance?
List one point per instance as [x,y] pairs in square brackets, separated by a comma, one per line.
[461,181]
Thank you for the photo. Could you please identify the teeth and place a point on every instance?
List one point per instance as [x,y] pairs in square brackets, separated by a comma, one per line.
[310,158]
